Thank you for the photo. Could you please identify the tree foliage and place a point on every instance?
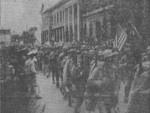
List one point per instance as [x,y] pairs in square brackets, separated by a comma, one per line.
[29,36]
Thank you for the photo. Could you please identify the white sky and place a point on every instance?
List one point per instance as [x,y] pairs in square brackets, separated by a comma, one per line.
[22,14]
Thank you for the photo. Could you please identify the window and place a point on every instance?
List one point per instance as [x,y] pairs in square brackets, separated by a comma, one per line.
[47,36]
[55,35]
[75,20]
[75,30]
[60,16]
[85,28]
[75,11]
[58,35]
[51,20]
[71,33]
[91,29]
[70,13]
[66,14]
[98,30]
[61,34]
[63,15]
[67,37]
[57,18]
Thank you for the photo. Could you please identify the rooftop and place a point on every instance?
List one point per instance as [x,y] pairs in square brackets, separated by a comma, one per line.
[4,31]
[56,6]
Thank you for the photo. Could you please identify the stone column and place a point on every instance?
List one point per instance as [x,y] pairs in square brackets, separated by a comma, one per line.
[78,22]
[65,24]
[87,28]
[68,24]
[73,30]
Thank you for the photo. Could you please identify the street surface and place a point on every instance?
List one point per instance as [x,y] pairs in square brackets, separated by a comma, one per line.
[52,100]
[51,96]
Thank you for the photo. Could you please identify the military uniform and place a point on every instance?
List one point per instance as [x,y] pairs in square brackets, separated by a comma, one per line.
[140,94]
[77,80]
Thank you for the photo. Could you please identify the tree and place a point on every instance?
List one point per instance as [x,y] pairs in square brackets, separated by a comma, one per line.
[29,36]
[15,39]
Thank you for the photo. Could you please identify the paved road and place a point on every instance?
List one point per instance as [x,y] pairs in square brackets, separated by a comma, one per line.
[53,101]
[52,98]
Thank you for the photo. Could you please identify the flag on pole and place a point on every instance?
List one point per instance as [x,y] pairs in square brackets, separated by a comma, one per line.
[120,38]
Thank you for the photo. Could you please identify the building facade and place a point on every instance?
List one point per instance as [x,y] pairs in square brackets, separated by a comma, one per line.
[92,20]
[5,37]
[98,21]
[64,22]
[79,20]
[45,28]
[146,21]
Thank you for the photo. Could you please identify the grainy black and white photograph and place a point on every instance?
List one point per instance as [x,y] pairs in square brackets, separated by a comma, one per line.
[74,56]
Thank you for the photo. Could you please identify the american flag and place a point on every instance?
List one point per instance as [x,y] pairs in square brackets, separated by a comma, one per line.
[120,38]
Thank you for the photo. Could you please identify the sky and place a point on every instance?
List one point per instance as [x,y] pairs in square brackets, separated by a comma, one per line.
[19,15]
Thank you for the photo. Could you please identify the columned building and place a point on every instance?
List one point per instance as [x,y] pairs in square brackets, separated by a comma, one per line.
[91,20]
[64,22]
[46,26]
[97,20]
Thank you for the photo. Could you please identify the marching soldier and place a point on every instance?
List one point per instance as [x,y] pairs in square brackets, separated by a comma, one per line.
[140,90]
